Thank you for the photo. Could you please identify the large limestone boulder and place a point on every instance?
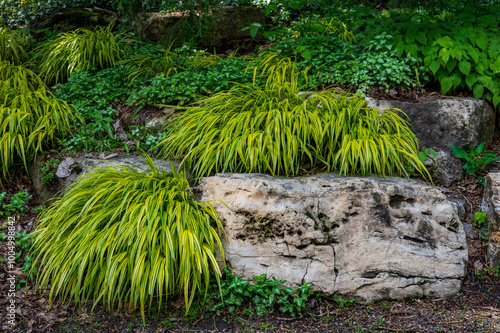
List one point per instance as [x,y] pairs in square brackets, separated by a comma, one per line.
[363,238]
[439,123]
[72,168]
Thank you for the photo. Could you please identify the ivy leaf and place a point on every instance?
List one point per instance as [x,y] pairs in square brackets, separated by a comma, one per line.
[464,67]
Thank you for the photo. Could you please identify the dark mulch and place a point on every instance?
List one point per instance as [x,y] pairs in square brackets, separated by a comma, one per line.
[475,309]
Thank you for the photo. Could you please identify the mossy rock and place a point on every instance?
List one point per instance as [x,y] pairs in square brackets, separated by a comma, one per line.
[226,33]
[73,18]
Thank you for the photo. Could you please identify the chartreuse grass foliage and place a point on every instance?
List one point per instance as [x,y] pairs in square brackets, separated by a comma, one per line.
[14,46]
[77,50]
[273,129]
[30,117]
[123,236]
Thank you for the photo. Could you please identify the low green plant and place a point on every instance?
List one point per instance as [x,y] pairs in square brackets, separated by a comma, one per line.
[273,129]
[95,97]
[38,209]
[476,160]
[343,303]
[480,219]
[47,170]
[14,46]
[123,236]
[426,153]
[201,77]
[16,205]
[263,294]
[77,50]
[486,272]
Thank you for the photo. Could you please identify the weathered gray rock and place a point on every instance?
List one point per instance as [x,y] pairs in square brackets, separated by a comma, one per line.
[363,238]
[445,168]
[494,249]
[225,34]
[491,200]
[75,167]
[463,122]
[68,19]
[491,207]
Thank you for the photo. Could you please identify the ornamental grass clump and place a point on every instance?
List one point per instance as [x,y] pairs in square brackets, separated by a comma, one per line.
[14,46]
[31,119]
[127,237]
[272,129]
[77,50]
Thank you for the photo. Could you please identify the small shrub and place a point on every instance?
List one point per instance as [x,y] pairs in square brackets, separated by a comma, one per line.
[127,237]
[77,50]
[272,129]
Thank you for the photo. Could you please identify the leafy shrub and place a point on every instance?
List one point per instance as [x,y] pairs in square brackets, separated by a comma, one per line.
[272,129]
[30,120]
[461,52]
[77,50]
[377,65]
[263,294]
[13,45]
[122,236]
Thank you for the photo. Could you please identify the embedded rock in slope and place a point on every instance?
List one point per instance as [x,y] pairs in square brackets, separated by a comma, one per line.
[71,168]
[444,168]
[441,122]
[363,238]
[491,207]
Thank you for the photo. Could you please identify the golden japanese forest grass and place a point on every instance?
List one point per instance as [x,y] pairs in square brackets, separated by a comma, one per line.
[123,236]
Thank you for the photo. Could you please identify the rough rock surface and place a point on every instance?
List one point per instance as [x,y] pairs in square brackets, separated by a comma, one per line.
[463,122]
[491,207]
[78,167]
[226,33]
[72,18]
[445,168]
[491,200]
[363,238]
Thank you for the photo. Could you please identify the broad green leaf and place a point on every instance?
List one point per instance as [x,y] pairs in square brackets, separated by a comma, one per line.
[478,90]
[446,85]
[459,152]
[434,66]
[464,67]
